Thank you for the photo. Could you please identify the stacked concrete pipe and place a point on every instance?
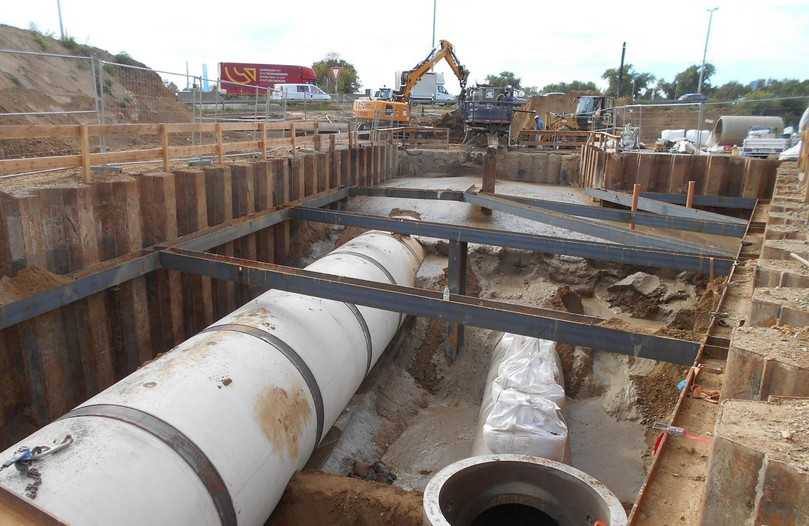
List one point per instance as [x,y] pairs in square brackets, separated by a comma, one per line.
[211,432]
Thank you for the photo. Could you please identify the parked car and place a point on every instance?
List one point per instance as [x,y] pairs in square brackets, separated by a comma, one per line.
[692,97]
[299,92]
[442,96]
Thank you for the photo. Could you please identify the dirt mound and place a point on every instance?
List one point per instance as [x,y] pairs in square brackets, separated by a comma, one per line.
[33,83]
[454,121]
[314,498]
[657,392]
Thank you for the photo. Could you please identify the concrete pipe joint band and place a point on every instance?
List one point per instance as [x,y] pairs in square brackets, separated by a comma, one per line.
[518,489]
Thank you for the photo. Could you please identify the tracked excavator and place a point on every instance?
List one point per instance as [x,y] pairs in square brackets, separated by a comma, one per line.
[370,113]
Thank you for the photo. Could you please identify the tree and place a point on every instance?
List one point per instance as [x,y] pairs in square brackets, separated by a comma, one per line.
[687,81]
[348,80]
[566,87]
[530,91]
[632,83]
[730,91]
[505,78]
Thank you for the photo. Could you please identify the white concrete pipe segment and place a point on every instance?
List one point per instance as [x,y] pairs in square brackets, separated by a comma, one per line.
[211,432]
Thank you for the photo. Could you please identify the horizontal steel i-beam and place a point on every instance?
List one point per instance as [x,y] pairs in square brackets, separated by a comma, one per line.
[530,321]
[644,257]
[660,207]
[703,226]
[605,231]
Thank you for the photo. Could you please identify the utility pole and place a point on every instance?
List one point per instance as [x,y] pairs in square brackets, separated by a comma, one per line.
[621,72]
[59,10]
[705,50]
[434,5]
[701,114]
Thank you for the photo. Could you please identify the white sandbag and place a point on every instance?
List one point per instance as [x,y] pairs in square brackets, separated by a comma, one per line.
[525,424]
[532,366]
[529,371]
[692,135]
[672,135]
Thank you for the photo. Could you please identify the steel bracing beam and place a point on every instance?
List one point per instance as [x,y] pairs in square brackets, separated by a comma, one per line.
[605,231]
[574,329]
[552,245]
[721,228]
[715,201]
[660,207]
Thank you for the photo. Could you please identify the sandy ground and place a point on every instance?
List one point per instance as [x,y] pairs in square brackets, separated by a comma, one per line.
[417,411]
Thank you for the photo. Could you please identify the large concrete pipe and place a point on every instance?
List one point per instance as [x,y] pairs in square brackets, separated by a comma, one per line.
[732,129]
[211,432]
[518,489]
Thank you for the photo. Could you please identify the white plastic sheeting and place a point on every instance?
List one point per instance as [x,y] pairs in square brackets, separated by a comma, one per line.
[521,412]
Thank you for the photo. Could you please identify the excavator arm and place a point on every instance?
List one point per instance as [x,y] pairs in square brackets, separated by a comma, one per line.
[447,52]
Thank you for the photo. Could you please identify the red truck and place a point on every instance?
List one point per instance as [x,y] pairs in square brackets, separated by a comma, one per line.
[238,78]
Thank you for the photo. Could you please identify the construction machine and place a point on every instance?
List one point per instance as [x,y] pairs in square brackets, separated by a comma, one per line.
[369,113]
[592,113]
[487,115]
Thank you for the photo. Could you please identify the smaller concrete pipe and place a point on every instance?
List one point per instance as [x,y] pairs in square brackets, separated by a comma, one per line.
[732,129]
[508,489]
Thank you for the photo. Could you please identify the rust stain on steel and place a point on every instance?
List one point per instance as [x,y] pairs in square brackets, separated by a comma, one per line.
[282,417]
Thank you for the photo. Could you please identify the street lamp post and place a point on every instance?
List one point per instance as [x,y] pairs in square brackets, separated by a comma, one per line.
[59,10]
[702,76]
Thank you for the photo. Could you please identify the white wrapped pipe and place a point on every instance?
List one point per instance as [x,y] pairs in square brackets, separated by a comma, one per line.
[521,408]
[211,432]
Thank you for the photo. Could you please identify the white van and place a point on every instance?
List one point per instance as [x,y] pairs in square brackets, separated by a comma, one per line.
[299,92]
[442,96]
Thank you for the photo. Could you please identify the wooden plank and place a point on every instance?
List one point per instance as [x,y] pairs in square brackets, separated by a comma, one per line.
[219,193]
[190,127]
[34,131]
[118,230]
[220,150]
[192,215]
[41,339]
[87,337]
[164,146]
[84,147]
[264,200]
[177,152]
[158,205]
[309,175]
[244,203]
[242,146]
[281,175]
[263,146]
[124,129]
[148,154]
[239,126]
[30,164]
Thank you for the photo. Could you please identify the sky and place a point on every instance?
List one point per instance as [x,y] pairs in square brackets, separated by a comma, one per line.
[541,42]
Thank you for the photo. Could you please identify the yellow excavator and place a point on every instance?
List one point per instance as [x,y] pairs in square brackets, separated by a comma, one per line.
[396,112]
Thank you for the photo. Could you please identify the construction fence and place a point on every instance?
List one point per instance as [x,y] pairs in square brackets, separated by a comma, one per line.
[651,119]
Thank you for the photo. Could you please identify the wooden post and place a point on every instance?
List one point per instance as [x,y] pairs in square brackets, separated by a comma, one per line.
[84,137]
[349,179]
[158,206]
[164,144]
[316,136]
[292,134]
[635,197]
[331,182]
[489,175]
[689,198]
[219,195]
[220,148]
[263,129]
[243,191]
[192,215]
